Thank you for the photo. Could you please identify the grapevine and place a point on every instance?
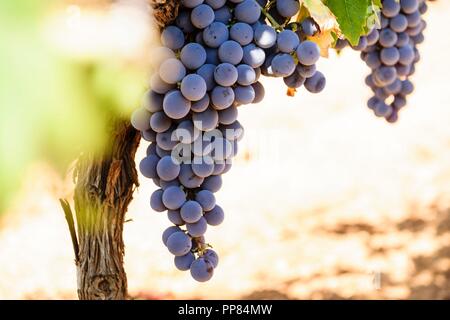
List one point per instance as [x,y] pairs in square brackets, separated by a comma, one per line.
[212,58]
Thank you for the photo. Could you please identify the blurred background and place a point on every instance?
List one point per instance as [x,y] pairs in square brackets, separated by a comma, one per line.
[324,200]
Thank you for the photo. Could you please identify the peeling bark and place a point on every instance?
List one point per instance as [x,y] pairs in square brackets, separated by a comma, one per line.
[105,183]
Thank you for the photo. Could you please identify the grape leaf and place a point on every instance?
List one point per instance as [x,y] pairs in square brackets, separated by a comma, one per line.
[321,14]
[351,16]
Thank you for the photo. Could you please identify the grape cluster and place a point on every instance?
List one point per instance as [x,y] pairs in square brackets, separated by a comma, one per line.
[209,65]
[289,53]
[391,52]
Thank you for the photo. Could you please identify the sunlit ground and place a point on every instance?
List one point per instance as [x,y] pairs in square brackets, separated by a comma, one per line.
[323,201]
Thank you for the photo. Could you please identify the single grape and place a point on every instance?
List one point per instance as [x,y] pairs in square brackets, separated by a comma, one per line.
[388,38]
[383,110]
[229,115]
[225,74]
[206,199]
[253,55]
[156,202]
[188,178]
[287,41]
[151,149]
[386,75]
[389,56]
[399,102]
[288,8]
[215,34]
[306,71]
[201,105]
[407,87]
[373,60]
[259,92]
[193,56]
[244,94]
[175,217]
[172,37]
[175,105]
[198,228]
[191,211]
[140,119]
[147,166]
[193,87]
[399,23]
[316,83]
[202,16]
[215,216]
[265,36]
[231,52]
[242,33]
[165,143]
[152,101]
[222,97]
[160,86]
[409,6]
[159,122]
[173,198]
[167,168]
[309,27]
[373,37]
[295,80]
[246,75]
[406,55]
[394,88]
[168,232]
[179,243]
[308,53]
[183,263]
[391,8]
[201,270]
[402,39]
[413,19]
[148,135]
[247,11]
[214,183]
[203,166]
[283,65]
[403,70]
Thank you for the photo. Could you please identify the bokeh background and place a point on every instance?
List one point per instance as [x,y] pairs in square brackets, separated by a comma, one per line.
[323,201]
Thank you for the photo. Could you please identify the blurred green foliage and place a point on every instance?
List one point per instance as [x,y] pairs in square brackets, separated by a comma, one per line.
[52,106]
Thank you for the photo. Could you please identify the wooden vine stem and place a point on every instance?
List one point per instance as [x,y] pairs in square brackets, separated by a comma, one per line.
[105,182]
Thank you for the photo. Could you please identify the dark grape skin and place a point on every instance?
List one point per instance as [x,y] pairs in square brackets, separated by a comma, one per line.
[316,83]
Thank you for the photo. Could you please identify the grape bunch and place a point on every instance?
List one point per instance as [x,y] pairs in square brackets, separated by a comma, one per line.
[289,53]
[211,60]
[392,53]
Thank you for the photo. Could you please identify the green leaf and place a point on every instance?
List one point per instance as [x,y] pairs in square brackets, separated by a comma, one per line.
[351,16]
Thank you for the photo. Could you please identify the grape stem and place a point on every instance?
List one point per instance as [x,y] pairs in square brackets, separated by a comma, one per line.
[271,19]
